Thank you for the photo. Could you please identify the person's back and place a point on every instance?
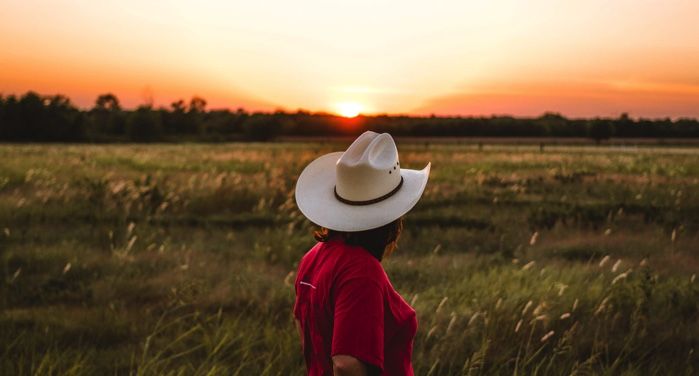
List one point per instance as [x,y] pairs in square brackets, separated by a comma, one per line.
[347,306]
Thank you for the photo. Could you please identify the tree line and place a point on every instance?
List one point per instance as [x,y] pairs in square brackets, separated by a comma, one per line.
[32,117]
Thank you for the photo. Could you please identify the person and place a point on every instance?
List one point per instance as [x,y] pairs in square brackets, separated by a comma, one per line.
[350,318]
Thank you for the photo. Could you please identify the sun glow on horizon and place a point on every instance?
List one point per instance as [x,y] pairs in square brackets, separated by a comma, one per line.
[349,109]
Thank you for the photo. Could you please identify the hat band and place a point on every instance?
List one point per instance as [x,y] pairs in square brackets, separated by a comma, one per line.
[368,202]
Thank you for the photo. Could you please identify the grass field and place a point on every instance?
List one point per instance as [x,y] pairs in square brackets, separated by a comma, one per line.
[180,259]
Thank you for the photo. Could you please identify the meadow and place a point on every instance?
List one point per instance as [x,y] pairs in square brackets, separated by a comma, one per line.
[179,259]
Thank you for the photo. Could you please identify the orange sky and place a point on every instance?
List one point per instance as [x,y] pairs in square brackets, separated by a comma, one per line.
[580,58]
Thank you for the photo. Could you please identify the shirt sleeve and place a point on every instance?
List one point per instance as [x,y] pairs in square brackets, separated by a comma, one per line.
[358,328]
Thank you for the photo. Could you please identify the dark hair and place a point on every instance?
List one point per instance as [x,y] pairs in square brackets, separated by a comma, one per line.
[380,241]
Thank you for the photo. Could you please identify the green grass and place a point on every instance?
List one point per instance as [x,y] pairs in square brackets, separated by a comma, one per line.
[179,259]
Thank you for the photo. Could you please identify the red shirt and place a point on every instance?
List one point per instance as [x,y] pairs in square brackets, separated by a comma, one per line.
[347,306]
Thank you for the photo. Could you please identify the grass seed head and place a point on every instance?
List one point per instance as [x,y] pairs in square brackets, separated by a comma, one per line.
[547,336]
[441,304]
[562,288]
[616,265]
[621,276]
[602,306]
[473,318]
[288,278]
[539,309]
[540,318]
[431,332]
[451,322]
[16,274]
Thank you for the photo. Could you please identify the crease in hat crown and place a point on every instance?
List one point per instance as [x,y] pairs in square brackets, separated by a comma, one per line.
[369,168]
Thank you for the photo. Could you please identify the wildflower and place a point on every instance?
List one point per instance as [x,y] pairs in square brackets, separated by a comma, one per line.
[565,316]
[604,260]
[575,304]
[607,232]
[67,268]
[534,238]
[674,235]
[528,265]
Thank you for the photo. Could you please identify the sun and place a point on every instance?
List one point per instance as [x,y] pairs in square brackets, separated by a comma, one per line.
[349,109]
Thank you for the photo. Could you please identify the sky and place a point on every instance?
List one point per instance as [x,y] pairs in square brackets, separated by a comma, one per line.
[580,58]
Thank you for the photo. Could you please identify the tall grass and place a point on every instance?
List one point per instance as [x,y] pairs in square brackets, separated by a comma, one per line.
[178,260]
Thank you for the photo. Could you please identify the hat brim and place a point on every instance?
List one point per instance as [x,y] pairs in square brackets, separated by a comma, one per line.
[315,197]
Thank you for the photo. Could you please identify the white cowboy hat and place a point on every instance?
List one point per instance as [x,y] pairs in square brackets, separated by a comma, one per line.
[361,188]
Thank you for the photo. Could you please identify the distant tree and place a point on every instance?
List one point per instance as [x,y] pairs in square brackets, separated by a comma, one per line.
[107,102]
[63,121]
[197,104]
[261,127]
[31,117]
[179,120]
[599,129]
[178,106]
[550,124]
[106,117]
[144,125]
[35,117]
[9,119]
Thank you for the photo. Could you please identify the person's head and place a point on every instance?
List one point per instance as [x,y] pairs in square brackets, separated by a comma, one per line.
[361,194]
[380,241]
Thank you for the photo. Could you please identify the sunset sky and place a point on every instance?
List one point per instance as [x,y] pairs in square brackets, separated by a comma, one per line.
[576,57]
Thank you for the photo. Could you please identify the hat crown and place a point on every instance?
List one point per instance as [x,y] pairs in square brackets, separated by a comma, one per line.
[369,168]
